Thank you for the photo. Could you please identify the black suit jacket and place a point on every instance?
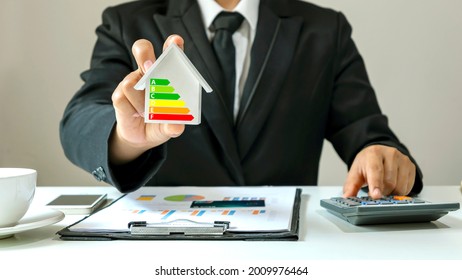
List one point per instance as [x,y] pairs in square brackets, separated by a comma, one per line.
[307,82]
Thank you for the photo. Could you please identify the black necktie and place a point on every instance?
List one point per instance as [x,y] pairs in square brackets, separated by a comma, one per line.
[224,25]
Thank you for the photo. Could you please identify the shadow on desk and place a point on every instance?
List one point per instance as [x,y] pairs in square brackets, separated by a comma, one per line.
[346,227]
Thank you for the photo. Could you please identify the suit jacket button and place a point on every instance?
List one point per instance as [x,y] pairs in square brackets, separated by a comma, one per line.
[99,174]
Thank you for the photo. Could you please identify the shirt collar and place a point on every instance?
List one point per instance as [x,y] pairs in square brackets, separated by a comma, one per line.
[247,8]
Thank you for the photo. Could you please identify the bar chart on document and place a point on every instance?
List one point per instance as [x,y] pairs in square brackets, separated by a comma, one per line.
[178,207]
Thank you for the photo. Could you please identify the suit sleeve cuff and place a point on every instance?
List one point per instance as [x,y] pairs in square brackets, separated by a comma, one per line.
[133,175]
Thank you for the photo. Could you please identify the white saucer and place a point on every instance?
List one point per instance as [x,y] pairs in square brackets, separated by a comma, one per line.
[34,218]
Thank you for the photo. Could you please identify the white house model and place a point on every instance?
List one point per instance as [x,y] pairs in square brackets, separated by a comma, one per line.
[173,89]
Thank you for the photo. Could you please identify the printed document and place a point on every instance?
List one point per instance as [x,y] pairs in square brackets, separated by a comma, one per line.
[247,209]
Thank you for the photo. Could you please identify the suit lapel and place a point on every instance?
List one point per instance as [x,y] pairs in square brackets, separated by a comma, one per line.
[271,57]
[183,18]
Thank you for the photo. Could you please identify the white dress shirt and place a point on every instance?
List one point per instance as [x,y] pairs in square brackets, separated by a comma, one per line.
[242,38]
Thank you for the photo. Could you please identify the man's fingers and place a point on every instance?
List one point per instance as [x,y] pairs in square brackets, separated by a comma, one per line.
[143,51]
[172,130]
[367,168]
[122,105]
[384,169]
[136,100]
[391,171]
[353,183]
[411,176]
[175,39]
[374,175]
[402,182]
[406,177]
[399,172]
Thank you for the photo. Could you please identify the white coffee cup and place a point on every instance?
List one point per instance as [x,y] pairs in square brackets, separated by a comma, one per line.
[17,190]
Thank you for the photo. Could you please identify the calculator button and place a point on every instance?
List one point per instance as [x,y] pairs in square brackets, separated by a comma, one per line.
[402,197]
[401,201]
[352,203]
[372,202]
[385,202]
[338,199]
[346,201]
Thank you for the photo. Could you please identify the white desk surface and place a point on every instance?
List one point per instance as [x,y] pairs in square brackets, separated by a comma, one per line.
[322,237]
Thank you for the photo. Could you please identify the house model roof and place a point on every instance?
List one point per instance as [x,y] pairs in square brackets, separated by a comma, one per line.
[173,49]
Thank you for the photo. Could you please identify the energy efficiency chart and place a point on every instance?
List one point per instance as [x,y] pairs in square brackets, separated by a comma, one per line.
[165,104]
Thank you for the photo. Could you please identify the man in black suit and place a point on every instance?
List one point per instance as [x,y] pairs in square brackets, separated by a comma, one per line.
[304,81]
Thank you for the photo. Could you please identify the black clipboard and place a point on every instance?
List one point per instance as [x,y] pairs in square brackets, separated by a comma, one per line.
[134,227]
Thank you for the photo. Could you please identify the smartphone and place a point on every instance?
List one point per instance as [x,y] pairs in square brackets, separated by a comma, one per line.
[77,203]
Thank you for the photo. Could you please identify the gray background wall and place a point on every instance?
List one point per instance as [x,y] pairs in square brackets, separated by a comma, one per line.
[411,48]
